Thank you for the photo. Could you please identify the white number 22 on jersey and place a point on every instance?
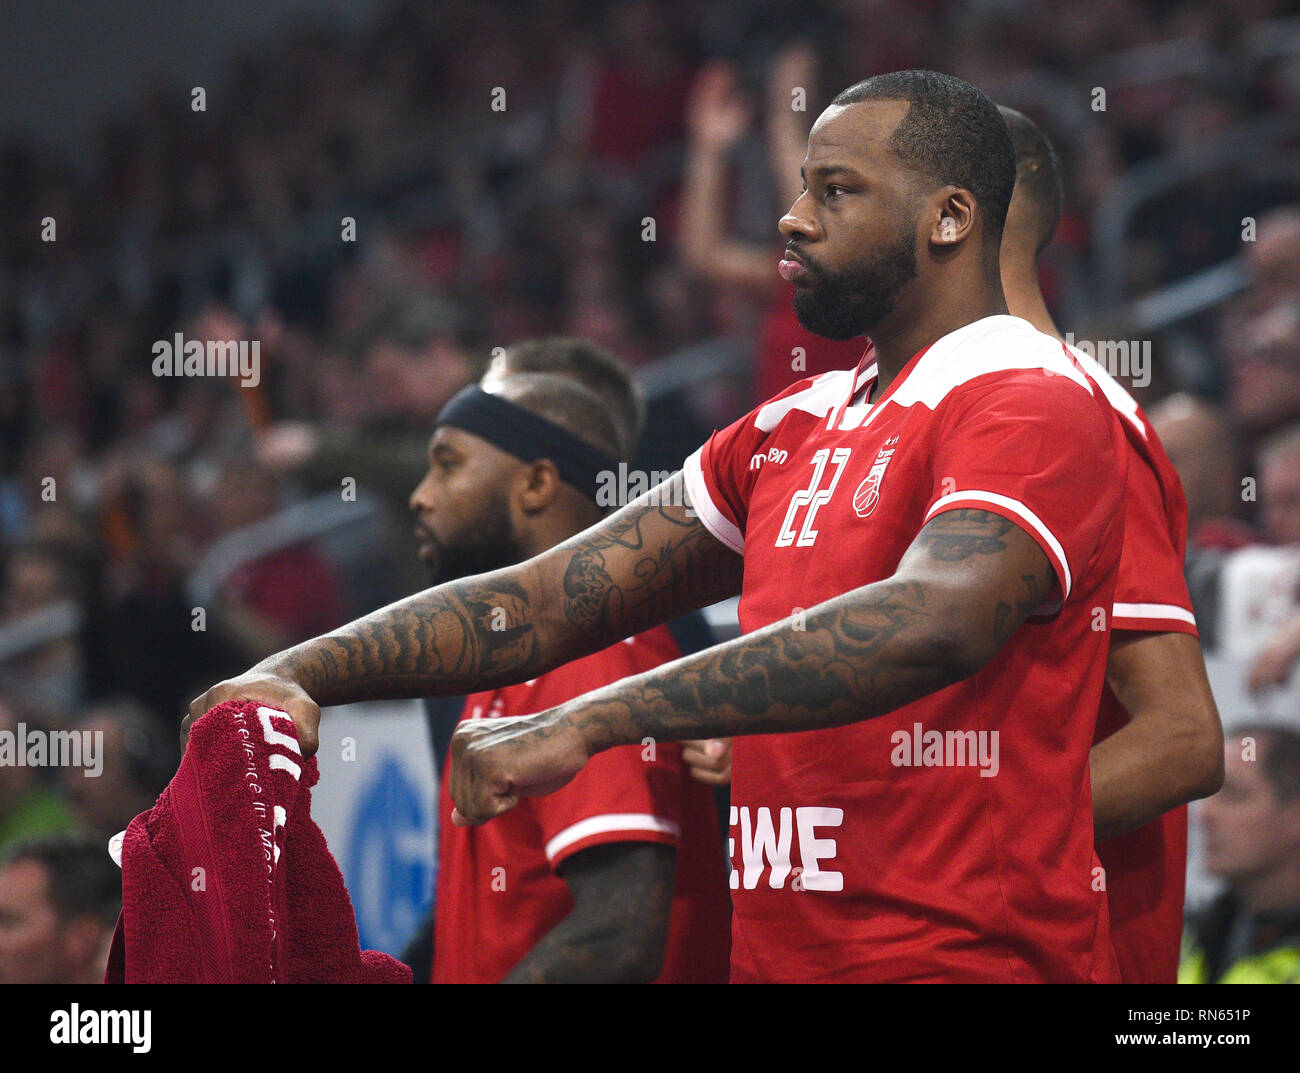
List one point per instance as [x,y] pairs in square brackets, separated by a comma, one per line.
[813,498]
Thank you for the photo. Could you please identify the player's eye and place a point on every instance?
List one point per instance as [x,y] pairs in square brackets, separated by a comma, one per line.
[834,190]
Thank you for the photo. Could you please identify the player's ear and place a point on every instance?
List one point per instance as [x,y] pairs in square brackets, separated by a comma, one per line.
[951,212]
[536,486]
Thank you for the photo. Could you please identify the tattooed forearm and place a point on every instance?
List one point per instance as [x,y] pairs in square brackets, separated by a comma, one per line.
[666,563]
[641,566]
[441,642]
[618,929]
[857,656]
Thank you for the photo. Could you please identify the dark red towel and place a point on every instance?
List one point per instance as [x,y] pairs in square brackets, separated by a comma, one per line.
[228,880]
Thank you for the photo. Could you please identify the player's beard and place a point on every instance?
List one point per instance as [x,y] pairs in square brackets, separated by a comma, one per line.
[842,305]
[487,544]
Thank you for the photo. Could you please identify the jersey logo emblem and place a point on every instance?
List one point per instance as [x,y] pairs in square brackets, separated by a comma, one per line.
[868,493]
[773,454]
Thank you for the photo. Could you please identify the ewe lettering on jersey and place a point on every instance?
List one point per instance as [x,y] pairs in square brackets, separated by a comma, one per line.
[765,845]
[929,867]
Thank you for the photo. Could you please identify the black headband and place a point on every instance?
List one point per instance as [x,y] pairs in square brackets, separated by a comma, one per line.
[528,437]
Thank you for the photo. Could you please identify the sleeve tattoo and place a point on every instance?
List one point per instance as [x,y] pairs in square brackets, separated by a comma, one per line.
[968,581]
[647,563]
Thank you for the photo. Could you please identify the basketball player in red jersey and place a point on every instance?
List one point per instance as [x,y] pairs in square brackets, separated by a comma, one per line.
[921,546]
[1159,739]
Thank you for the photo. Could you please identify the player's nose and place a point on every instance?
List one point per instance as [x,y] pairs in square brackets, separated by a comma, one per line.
[420,499]
[798,221]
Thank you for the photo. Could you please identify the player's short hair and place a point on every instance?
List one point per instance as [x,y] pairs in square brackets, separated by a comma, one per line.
[590,365]
[1038,174]
[567,403]
[80,877]
[1279,759]
[952,133]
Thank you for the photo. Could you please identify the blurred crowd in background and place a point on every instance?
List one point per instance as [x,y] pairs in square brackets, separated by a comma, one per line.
[379,216]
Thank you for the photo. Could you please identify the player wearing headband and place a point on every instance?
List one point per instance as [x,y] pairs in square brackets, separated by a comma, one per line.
[920,546]
[618,877]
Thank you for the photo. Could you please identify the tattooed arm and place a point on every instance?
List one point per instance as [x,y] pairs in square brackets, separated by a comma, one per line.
[647,563]
[617,931]
[966,583]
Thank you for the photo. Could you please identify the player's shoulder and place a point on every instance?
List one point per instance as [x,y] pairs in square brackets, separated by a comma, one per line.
[815,396]
[1144,446]
[996,355]
[784,419]
[1124,404]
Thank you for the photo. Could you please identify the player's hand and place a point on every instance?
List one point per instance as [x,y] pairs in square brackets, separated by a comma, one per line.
[271,690]
[795,66]
[709,761]
[495,762]
[717,113]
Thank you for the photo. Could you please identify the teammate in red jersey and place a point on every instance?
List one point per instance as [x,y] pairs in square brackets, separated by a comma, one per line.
[929,542]
[1160,743]
[1163,746]
[617,877]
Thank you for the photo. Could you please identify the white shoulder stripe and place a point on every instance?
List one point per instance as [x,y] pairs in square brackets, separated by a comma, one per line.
[994,344]
[991,345]
[712,518]
[612,821]
[1020,511]
[1120,400]
[818,398]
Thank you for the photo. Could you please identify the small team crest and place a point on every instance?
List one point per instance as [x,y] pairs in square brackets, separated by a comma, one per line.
[868,493]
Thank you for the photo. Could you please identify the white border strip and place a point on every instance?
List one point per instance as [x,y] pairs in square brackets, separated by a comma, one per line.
[1169,611]
[1021,511]
[283,763]
[714,520]
[613,821]
[273,736]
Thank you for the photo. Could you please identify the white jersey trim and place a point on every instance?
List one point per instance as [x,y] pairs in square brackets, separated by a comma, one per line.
[1153,611]
[827,392]
[714,520]
[612,821]
[1120,400]
[994,344]
[999,343]
[1020,511]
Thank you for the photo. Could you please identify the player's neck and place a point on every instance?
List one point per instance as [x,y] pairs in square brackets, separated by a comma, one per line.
[907,331]
[556,526]
[1024,299]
